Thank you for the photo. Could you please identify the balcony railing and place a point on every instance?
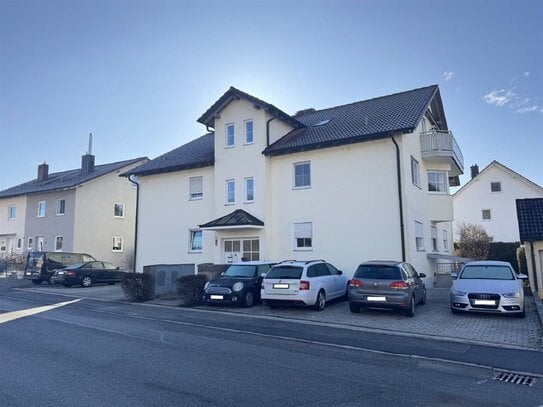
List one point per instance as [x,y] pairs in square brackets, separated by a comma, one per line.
[441,143]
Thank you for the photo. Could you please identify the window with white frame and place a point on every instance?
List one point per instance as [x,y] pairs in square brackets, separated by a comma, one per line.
[433,231]
[19,243]
[486,214]
[303,236]
[196,188]
[249,189]
[195,244]
[59,242]
[118,210]
[495,187]
[445,240]
[61,206]
[230,191]
[12,212]
[30,243]
[415,172]
[41,209]
[249,137]
[302,174]
[419,236]
[437,181]
[230,135]
[117,244]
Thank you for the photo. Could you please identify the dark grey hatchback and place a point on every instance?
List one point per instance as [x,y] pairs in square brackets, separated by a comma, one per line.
[387,284]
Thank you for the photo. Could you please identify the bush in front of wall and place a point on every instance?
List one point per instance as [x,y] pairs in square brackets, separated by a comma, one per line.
[138,287]
[190,289]
[505,251]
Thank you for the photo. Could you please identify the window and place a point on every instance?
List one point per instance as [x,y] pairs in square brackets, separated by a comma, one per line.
[433,230]
[12,212]
[118,210]
[445,240]
[117,244]
[495,187]
[230,191]
[41,209]
[249,189]
[303,236]
[59,241]
[195,241]
[419,236]
[302,174]
[487,215]
[30,244]
[19,243]
[415,172]
[196,188]
[249,138]
[251,250]
[230,136]
[437,181]
[61,206]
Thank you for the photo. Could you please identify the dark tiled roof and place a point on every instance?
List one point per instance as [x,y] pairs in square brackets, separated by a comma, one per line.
[195,154]
[65,180]
[361,121]
[237,218]
[530,219]
[208,118]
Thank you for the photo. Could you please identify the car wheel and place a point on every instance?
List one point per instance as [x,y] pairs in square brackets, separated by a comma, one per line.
[37,282]
[423,298]
[248,299]
[50,281]
[320,304]
[86,281]
[67,285]
[355,309]
[410,311]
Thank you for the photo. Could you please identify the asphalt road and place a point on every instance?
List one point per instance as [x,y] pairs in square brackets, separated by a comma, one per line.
[103,353]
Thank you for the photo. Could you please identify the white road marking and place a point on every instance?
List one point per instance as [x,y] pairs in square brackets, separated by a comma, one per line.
[10,316]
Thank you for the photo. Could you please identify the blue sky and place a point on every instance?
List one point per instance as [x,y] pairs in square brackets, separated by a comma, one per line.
[138,74]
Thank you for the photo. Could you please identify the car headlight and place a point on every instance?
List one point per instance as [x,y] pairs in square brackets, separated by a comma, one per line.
[515,294]
[459,293]
[206,285]
[237,286]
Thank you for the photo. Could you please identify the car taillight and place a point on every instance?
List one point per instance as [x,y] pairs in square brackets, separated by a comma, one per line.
[304,285]
[356,283]
[399,284]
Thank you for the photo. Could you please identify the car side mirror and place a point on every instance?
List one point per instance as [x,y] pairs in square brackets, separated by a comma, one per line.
[262,275]
[222,274]
[340,272]
[522,276]
[422,275]
[454,276]
[117,268]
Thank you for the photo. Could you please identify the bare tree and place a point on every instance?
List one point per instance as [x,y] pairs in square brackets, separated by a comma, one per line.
[474,242]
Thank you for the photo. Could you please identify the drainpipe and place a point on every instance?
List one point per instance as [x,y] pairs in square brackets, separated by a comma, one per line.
[137,216]
[268,130]
[400,202]
[534,272]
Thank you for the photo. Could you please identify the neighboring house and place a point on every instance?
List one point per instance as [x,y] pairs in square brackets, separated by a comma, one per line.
[488,199]
[90,209]
[530,221]
[318,184]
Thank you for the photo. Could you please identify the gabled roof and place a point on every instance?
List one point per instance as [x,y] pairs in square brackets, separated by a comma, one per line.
[208,118]
[508,170]
[65,180]
[361,121]
[237,219]
[195,154]
[530,219]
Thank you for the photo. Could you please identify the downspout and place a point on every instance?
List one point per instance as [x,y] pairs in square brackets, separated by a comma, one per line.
[268,130]
[400,202]
[534,271]
[137,216]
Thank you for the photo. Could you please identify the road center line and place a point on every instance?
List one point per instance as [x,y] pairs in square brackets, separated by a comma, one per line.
[10,316]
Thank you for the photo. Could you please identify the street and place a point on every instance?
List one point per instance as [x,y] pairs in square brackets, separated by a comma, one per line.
[111,353]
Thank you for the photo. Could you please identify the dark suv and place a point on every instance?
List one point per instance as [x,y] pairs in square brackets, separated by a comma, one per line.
[40,266]
[238,285]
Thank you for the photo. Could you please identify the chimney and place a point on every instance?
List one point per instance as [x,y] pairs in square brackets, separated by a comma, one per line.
[43,172]
[305,111]
[87,161]
[474,171]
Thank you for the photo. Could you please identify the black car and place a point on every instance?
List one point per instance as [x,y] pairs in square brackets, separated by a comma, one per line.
[41,266]
[86,274]
[238,285]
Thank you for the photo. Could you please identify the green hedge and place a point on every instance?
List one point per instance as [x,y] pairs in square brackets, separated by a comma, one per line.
[190,289]
[138,287]
[504,251]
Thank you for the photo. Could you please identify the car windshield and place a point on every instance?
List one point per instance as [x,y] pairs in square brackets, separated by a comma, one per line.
[487,272]
[241,270]
[76,265]
[378,272]
[285,272]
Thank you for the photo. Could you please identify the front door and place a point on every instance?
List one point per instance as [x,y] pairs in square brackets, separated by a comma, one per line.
[40,240]
[236,250]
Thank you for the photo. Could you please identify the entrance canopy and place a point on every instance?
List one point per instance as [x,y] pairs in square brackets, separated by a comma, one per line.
[239,219]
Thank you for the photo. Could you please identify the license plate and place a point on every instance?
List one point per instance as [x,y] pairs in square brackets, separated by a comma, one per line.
[377,299]
[484,302]
[217,297]
[280,286]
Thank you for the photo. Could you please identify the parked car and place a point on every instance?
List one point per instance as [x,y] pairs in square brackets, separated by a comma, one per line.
[387,284]
[41,266]
[488,286]
[88,273]
[307,283]
[238,285]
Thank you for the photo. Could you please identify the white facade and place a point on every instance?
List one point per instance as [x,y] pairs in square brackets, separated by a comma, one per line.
[488,200]
[12,225]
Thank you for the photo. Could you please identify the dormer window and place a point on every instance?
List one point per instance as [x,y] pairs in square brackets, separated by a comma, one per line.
[249,138]
[230,135]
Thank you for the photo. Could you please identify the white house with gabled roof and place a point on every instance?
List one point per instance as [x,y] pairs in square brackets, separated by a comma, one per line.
[363,181]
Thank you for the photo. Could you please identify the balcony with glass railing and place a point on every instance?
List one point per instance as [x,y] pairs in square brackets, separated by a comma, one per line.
[441,146]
